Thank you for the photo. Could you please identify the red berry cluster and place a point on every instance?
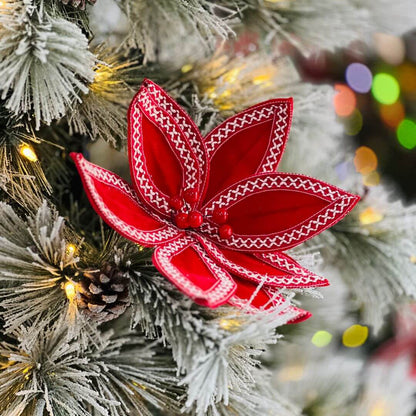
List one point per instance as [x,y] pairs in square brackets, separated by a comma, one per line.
[194,219]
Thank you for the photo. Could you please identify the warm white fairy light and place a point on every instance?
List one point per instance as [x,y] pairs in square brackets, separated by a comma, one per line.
[27,151]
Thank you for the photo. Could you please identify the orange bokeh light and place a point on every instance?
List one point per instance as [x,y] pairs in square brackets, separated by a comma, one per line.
[406,75]
[365,160]
[392,114]
[345,100]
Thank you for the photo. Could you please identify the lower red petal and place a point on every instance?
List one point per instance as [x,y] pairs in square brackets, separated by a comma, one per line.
[271,269]
[185,263]
[252,298]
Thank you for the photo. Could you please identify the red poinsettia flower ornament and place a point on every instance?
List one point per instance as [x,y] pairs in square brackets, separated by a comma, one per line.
[217,212]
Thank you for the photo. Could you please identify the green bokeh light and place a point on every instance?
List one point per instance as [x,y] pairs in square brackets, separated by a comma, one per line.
[321,339]
[406,134]
[385,89]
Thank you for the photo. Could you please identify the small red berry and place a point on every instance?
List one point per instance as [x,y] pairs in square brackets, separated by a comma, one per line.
[225,231]
[191,195]
[220,216]
[176,202]
[195,219]
[182,220]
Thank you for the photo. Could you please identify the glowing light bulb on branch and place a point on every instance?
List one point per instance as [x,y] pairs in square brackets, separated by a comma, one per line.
[370,216]
[71,248]
[27,151]
[70,291]
[230,324]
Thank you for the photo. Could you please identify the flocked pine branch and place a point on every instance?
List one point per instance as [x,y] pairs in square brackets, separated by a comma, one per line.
[386,387]
[20,169]
[45,62]
[321,381]
[156,27]
[34,262]
[216,349]
[374,250]
[102,113]
[50,371]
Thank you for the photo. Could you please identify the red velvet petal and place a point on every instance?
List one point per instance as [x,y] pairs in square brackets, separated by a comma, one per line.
[297,276]
[271,269]
[250,142]
[162,161]
[184,121]
[248,297]
[185,263]
[118,205]
[276,211]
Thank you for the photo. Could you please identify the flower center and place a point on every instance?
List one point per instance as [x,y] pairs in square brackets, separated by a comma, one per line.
[194,219]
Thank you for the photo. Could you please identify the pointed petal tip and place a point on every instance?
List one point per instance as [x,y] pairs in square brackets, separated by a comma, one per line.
[75,156]
[302,316]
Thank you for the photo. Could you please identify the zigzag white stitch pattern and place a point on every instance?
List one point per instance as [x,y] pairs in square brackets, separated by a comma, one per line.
[187,161]
[274,258]
[153,237]
[109,178]
[141,177]
[266,243]
[164,256]
[278,138]
[239,122]
[239,191]
[304,278]
[227,282]
[195,141]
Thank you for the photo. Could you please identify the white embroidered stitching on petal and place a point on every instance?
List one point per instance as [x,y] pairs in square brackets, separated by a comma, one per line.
[282,116]
[150,192]
[164,256]
[269,243]
[238,191]
[188,162]
[153,237]
[246,120]
[194,139]
[301,277]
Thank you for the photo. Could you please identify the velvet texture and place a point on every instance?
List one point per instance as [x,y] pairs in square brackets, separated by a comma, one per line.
[217,212]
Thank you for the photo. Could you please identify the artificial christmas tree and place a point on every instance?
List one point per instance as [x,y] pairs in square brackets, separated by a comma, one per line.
[88,324]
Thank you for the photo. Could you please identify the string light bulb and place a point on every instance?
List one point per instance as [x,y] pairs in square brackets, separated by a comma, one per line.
[27,151]
[370,216]
[230,324]
[70,291]
[71,248]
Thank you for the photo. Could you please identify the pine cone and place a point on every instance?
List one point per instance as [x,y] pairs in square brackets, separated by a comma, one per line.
[103,294]
[78,3]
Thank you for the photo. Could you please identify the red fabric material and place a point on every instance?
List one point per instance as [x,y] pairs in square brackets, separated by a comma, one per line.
[271,211]
[296,275]
[163,162]
[117,204]
[174,169]
[241,154]
[264,300]
[167,176]
[277,211]
[272,269]
[186,265]
[255,146]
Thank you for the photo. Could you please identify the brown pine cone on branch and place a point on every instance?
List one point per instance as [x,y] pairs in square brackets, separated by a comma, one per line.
[103,294]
